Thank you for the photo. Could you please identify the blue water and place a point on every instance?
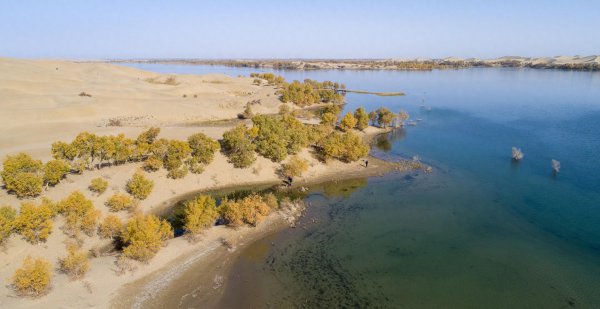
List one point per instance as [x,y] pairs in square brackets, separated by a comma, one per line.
[481,231]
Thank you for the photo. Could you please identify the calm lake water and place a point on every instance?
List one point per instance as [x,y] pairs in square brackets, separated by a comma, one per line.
[480,232]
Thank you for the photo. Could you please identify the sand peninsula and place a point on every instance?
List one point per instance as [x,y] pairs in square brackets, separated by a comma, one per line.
[43,102]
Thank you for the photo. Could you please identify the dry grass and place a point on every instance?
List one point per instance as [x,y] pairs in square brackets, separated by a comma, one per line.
[171,80]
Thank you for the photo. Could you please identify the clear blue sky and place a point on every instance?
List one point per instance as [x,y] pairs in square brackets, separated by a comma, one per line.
[297,29]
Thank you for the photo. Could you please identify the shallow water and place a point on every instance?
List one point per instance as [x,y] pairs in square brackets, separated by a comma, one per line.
[480,232]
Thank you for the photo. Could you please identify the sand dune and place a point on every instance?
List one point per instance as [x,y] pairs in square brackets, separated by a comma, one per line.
[46,93]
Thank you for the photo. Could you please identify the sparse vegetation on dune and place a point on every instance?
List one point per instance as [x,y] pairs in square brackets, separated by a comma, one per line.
[33,278]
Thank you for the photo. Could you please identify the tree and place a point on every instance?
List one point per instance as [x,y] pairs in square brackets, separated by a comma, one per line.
[148,136]
[63,151]
[328,119]
[346,147]
[34,223]
[249,210]
[403,116]
[110,227]
[98,185]
[79,213]
[144,236]
[119,202]
[373,117]
[271,138]
[7,222]
[55,171]
[139,186]
[177,152]
[75,264]
[237,144]
[33,278]
[203,147]
[348,122]
[384,116]
[362,118]
[295,166]
[200,213]
[22,175]
[152,164]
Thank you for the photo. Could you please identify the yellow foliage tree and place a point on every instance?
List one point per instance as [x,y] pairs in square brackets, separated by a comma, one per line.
[34,223]
[139,186]
[348,122]
[346,147]
[295,167]
[7,222]
[54,171]
[249,210]
[33,278]
[110,227]
[98,185]
[144,236]
[79,213]
[200,213]
[119,202]
[23,175]
[362,118]
[75,264]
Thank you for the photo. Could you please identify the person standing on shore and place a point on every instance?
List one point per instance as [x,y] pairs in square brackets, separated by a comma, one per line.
[366,163]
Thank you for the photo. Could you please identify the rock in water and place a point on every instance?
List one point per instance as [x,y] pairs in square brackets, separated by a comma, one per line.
[555,166]
[517,154]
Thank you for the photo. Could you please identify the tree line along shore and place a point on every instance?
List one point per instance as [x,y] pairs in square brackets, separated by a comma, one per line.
[576,63]
[142,235]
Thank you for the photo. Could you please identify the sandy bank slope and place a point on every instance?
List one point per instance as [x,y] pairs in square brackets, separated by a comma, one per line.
[40,102]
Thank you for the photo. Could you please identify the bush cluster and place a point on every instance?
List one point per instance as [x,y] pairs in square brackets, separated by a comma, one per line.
[33,278]
[75,264]
[110,227]
[310,92]
[144,236]
[79,213]
[249,210]
[119,202]
[346,147]
[98,185]
[34,222]
[139,186]
[23,175]
[199,214]
[7,222]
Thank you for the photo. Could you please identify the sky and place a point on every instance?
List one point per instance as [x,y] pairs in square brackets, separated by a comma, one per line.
[297,29]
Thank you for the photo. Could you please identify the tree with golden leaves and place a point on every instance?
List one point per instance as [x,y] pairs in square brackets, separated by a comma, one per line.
[111,227]
[200,213]
[8,217]
[23,175]
[139,186]
[294,167]
[33,278]
[34,222]
[75,264]
[348,122]
[362,118]
[144,236]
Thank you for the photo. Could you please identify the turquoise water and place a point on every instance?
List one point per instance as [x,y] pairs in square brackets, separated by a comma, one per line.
[480,232]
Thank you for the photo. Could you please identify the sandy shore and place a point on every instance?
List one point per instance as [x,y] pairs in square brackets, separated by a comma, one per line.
[39,104]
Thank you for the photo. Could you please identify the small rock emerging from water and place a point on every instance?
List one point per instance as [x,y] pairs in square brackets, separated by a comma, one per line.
[517,154]
[555,166]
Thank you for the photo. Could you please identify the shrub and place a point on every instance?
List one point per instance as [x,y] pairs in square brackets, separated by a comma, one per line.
[139,186]
[98,185]
[7,222]
[22,175]
[362,118]
[203,147]
[148,136]
[271,200]
[284,109]
[144,236]
[34,222]
[200,213]
[237,144]
[119,202]
[247,114]
[348,122]
[55,171]
[152,164]
[75,264]
[249,210]
[178,173]
[346,147]
[295,166]
[33,278]
[194,165]
[110,227]
[79,213]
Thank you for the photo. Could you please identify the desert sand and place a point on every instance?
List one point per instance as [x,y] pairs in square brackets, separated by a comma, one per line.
[40,104]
